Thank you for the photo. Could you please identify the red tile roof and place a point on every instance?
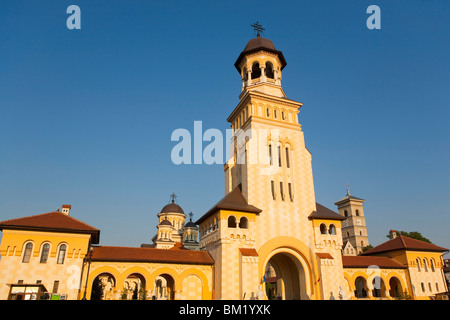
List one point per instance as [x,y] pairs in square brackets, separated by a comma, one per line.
[405,243]
[248,252]
[133,254]
[54,222]
[324,255]
[364,262]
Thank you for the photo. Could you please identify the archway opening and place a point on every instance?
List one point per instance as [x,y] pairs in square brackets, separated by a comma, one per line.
[164,287]
[379,289]
[395,288]
[103,287]
[134,287]
[285,278]
[360,288]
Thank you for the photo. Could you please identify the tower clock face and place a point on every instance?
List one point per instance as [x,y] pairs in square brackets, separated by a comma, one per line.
[358,222]
[345,223]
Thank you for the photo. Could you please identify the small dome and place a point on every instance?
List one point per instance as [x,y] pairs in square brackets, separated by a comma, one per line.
[190,224]
[259,42]
[172,207]
[165,222]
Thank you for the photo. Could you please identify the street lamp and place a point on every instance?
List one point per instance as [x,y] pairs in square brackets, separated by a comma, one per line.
[88,256]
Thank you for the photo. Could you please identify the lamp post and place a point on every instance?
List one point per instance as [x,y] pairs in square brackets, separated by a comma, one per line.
[89,256]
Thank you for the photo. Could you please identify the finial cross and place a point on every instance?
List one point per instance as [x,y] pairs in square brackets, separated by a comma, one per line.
[348,192]
[258,28]
[191,215]
[173,196]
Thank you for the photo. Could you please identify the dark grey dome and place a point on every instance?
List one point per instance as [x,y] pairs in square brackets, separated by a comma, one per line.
[190,224]
[172,207]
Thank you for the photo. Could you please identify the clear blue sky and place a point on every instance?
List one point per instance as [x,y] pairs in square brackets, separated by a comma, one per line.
[86,115]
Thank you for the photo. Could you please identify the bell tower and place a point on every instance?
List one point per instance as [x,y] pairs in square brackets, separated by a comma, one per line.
[354,228]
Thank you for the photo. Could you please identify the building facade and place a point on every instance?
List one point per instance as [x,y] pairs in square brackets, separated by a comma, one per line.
[266,238]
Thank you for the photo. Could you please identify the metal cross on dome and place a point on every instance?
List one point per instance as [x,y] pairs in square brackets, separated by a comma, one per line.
[258,28]
[173,196]
[191,215]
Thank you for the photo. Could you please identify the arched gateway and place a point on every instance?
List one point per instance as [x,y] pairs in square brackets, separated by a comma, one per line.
[288,278]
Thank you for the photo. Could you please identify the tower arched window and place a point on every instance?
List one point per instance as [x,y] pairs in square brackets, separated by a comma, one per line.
[270,154]
[243,223]
[332,229]
[345,213]
[256,70]
[279,156]
[269,70]
[323,229]
[288,164]
[357,213]
[231,222]
[44,253]
[27,252]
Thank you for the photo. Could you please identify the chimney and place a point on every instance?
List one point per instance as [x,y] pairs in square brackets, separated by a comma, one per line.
[66,209]
[393,233]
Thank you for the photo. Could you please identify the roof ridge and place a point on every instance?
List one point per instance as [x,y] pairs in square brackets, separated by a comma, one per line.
[32,216]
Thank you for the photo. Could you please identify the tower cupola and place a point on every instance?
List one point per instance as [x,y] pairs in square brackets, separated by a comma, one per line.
[260,65]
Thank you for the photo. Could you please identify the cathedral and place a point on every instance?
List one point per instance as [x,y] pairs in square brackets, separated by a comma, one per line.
[267,238]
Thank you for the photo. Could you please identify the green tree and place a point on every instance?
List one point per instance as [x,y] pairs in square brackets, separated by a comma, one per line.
[413,234]
[366,248]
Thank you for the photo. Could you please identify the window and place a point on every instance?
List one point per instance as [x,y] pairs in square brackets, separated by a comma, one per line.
[275,113]
[323,229]
[44,253]
[279,156]
[425,265]
[429,286]
[61,254]
[345,213]
[268,112]
[231,222]
[27,253]
[288,165]
[270,154]
[281,191]
[437,287]
[55,286]
[256,70]
[432,265]
[272,185]
[283,115]
[357,213]
[332,230]
[418,264]
[291,195]
[243,223]
[269,70]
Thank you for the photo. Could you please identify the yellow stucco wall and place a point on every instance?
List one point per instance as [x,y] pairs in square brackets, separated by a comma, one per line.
[12,269]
